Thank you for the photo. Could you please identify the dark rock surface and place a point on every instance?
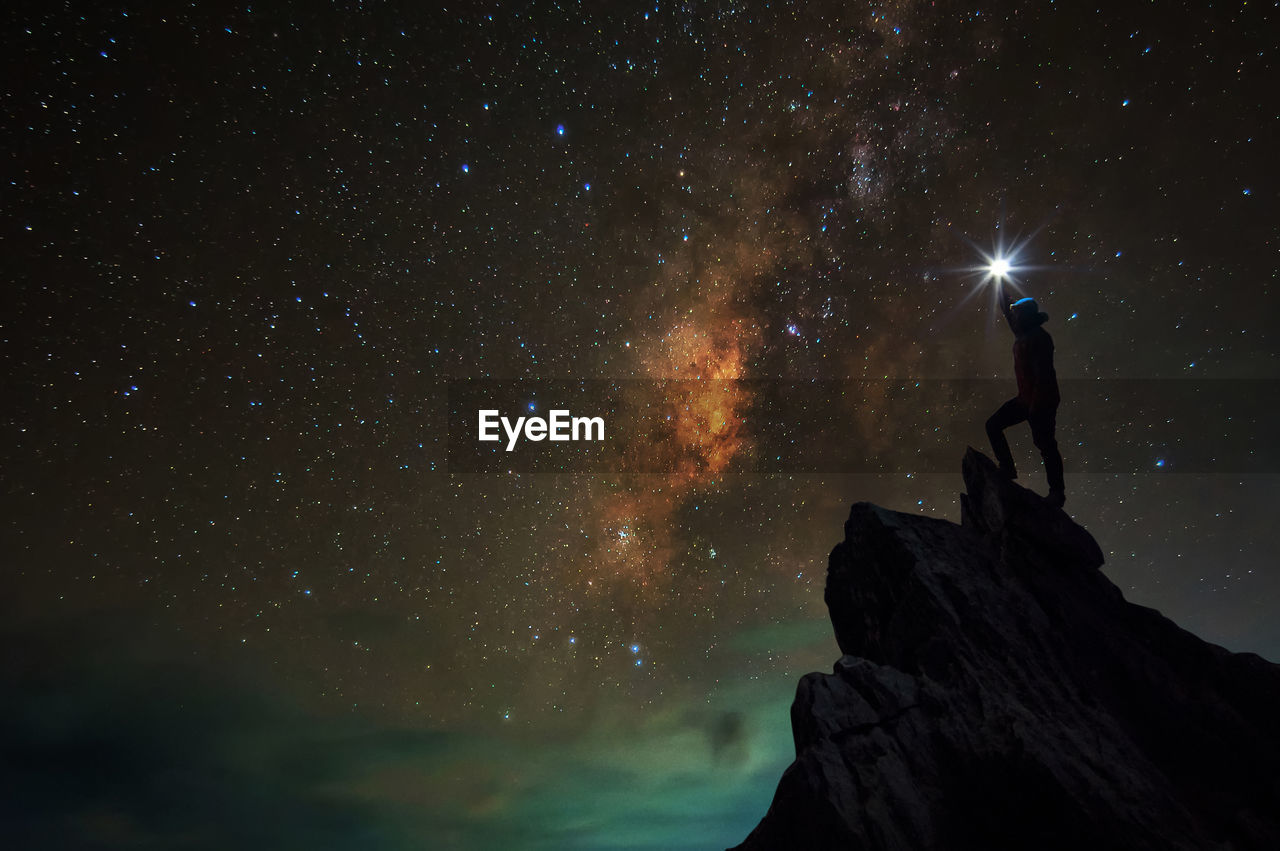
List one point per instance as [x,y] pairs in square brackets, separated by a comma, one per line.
[997,691]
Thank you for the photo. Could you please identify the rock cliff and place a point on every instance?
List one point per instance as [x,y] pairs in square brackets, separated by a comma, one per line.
[997,691]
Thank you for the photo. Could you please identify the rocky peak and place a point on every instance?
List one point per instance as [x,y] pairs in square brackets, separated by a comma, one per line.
[997,691]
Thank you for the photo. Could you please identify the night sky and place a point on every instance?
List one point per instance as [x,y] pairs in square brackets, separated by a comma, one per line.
[254,256]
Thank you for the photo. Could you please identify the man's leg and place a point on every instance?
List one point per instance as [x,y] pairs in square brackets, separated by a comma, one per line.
[1010,413]
[1042,428]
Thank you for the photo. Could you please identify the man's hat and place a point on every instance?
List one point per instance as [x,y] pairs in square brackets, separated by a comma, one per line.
[1028,310]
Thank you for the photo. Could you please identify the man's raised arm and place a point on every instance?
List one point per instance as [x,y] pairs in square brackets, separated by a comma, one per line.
[1004,305]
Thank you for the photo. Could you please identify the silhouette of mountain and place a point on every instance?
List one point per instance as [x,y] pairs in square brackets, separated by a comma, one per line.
[998,692]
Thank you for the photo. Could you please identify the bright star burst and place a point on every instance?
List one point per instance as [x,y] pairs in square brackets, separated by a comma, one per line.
[1003,263]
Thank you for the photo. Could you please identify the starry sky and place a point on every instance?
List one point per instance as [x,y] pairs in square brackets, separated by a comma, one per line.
[261,260]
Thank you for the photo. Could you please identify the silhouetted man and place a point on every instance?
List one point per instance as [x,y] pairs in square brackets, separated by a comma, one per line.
[1037,399]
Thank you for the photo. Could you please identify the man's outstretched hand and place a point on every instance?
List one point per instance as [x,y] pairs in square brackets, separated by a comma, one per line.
[1004,300]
